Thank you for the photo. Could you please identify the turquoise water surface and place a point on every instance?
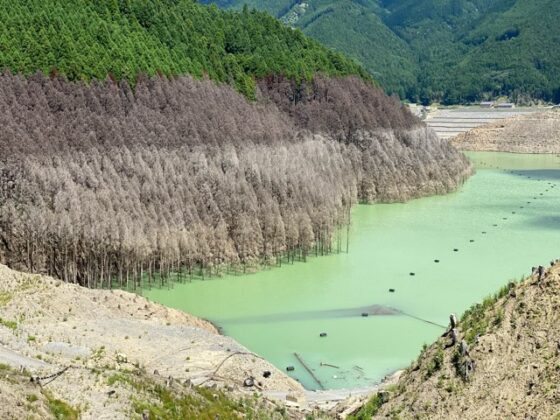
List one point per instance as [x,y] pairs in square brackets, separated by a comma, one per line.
[504,220]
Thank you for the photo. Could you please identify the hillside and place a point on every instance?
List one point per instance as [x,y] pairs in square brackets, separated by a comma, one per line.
[106,185]
[113,354]
[85,40]
[513,342]
[450,51]
[534,133]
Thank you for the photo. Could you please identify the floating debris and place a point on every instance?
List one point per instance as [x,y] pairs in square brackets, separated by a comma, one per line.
[391,290]
[329,365]
[412,274]
[471,241]
[323,334]
[484,233]
[300,359]
[455,250]
[436,261]
[365,314]
[290,368]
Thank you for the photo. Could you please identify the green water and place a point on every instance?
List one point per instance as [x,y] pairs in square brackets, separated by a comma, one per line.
[281,311]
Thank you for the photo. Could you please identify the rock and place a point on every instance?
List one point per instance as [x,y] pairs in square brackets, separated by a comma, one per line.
[121,358]
[298,399]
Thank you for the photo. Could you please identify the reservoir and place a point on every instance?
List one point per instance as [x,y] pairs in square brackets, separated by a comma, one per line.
[438,255]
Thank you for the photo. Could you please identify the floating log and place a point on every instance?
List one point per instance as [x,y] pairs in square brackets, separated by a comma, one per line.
[309,371]
[329,365]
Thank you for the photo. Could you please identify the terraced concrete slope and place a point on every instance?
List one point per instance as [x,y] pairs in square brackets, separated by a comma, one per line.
[504,364]
[448,123]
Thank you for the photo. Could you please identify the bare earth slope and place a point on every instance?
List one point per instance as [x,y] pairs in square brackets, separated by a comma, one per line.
[108,340]
[532,133]
[516,360]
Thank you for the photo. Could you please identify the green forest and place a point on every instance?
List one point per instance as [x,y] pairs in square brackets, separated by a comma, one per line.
[450,51]
[85,40]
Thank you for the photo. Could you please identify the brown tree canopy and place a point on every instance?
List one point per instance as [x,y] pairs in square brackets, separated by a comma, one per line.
[99,183]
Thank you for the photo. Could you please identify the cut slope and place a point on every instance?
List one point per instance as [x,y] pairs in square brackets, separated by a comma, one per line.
[533,133]
[514,342]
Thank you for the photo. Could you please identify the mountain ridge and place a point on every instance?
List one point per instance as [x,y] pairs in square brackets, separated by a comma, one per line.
[450,51]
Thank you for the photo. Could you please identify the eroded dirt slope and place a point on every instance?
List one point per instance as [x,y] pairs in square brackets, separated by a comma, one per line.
[511,371]
[113,348]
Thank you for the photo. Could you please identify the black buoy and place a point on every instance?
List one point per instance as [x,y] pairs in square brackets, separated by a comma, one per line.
[290,368]
[323,335]
[391,290]
[365,314]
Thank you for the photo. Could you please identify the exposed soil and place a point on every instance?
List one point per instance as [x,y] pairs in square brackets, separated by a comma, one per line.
[532,133]
[516,361]
[47,325]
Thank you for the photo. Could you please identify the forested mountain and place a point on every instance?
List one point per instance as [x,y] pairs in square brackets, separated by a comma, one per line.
[114,169]
[439,50]
[83,40]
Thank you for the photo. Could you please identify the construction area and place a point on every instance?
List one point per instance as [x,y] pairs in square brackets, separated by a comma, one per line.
[450,122]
